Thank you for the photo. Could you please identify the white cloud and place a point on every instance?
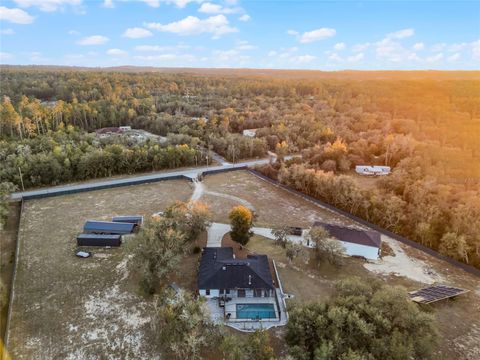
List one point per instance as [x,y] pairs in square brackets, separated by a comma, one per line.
[334,57]
[434,58]
[217,25]
[401,34]
[418,46]
[454,57]
[303,59]
[137,33]
[7,32]
[293,32]
[74,32]
[355,58]
[93,40]
[147,48]
[438,47]
[360,47]
[116,52]
[153,3]
[339,46]
[5,57]
[210,8]
[245,18]
[315,35]
[245,46]
[16,16]
[476,50]
[48,5]
[457,47]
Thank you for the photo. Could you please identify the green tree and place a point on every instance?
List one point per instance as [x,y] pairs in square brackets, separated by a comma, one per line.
[156,250]
[364,319]
[183,325]
[326,248]
[281,235]
[241,219]
[455,246]
[5,189]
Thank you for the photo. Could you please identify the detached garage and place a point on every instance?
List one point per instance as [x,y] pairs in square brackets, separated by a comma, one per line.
[364,243]
[107,227]
[98,240]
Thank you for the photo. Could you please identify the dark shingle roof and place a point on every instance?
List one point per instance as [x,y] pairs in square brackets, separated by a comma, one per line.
[362,237]
[219,270]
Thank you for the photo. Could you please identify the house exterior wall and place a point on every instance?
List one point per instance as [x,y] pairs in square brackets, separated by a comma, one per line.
[214,293]
[368,252]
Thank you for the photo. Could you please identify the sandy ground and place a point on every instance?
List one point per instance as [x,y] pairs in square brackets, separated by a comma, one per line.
[401,264]
[72,308]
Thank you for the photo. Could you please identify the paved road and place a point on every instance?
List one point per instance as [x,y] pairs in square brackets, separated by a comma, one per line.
[135,180]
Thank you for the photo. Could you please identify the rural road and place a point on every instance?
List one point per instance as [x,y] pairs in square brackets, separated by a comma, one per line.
[134,180]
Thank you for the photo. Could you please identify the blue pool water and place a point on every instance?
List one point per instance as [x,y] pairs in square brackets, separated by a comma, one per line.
[255,311]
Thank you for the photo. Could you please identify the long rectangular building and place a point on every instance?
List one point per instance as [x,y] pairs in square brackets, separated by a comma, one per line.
[99,240]
[108,227]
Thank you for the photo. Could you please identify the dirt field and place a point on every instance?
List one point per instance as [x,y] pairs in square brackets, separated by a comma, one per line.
[73,308]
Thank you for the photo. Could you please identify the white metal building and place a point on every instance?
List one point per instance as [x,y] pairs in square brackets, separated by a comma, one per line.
[366,244]
[372,170]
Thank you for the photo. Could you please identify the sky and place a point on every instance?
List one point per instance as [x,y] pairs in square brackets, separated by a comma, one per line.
[323,35]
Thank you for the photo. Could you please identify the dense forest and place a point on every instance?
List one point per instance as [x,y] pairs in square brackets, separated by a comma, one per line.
[427,130]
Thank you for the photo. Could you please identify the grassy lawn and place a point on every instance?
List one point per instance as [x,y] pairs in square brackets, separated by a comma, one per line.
[90,308]
[82,308]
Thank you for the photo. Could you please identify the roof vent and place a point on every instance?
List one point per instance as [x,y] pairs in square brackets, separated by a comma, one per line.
[224,268]
[249,279]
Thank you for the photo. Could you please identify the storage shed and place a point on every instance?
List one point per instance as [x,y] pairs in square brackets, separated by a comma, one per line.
[133,219]
[107,227]
[99,240]
[364,243]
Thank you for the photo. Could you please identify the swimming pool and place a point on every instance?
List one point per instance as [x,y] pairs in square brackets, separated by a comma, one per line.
[256,311]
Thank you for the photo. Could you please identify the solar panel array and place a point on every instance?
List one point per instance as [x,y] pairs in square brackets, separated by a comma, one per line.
[435,293]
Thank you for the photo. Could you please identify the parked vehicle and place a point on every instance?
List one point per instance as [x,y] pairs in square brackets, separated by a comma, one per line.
[83,254]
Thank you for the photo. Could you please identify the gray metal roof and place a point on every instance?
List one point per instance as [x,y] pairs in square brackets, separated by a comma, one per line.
[107,227]
[361,237]
[133,219]
[219,270]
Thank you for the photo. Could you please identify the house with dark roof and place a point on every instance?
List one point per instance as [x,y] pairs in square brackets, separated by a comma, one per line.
[220,274]
[364,243]
[240,290]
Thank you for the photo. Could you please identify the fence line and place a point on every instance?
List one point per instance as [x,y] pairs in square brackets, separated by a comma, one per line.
[468,268]
[5,355]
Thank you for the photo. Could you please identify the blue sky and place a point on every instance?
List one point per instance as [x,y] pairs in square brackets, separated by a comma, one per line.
[325,35]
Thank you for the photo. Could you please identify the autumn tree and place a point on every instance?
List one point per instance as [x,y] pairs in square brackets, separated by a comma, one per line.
[364,319]
[190,218]
[241,220]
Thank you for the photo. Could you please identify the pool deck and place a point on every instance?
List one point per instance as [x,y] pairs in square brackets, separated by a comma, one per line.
[248,325]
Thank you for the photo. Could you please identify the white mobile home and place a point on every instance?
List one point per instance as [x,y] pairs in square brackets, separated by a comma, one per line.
[372,170]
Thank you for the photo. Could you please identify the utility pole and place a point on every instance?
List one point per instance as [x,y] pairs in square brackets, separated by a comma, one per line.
[21,178]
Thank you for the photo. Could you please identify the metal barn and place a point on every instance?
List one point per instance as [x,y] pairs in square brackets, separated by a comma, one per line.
[107,227]
[133,219]
[99,240]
